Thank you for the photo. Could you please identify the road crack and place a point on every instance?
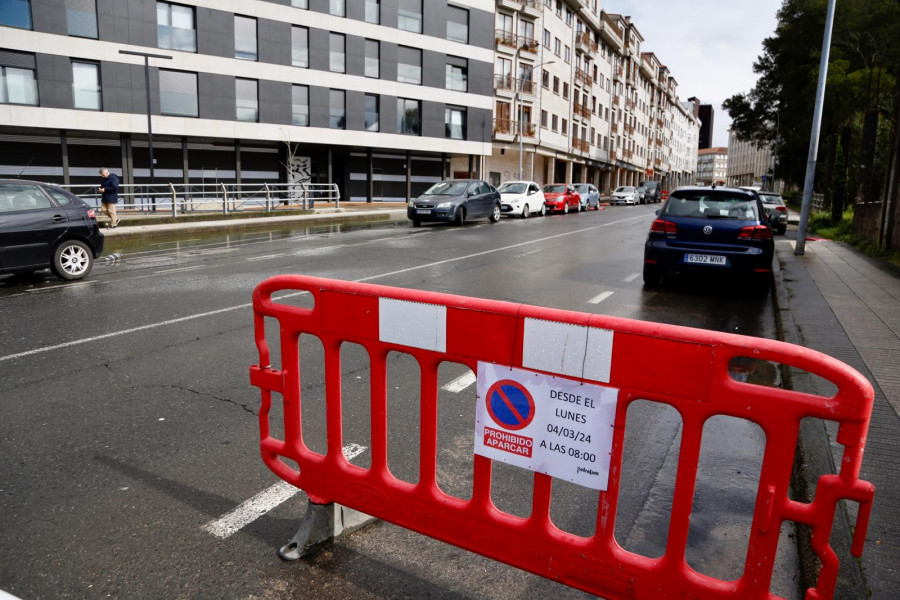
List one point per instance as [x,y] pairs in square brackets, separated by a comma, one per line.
[244,407]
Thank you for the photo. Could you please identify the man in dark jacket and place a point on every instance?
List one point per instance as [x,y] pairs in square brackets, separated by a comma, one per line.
[109,187]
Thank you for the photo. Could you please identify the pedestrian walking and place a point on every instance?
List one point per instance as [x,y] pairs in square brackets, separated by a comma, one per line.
[109,187]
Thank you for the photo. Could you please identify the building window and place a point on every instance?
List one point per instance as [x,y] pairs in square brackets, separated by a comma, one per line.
[568,56]
[371,112]
[177,93]
[544,119]
[81,18]
[409,65]
[337,8]
[336,109]
[16,13]
[457,74]
[373,11]
[175,27]
[18,83]
[555,123]
[555,84]
[565,127]
[86,86]
[455,123]
[565,90]
[409,15]
[526,31]
[245,38]
[247,99]
[547,39]
[299,46]
[408,116]
[373,59]
[545,79]
[557,46]
[568,17]
[457,24]
[559,8]
[336,52]
[300,3]
[300,105]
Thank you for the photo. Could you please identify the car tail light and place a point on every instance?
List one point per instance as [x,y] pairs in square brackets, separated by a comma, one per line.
[662,226]
[781,208]
[91,214]
[756,232]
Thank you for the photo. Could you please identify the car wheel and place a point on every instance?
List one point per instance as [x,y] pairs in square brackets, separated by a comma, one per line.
[460,216]
[72,260]
[543,210]
[417,223]
[652,276]
[566,208]
[525,211]
[761,284]
[495,214]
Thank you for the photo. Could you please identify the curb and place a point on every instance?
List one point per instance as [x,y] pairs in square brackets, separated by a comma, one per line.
[813,457]
[251,224]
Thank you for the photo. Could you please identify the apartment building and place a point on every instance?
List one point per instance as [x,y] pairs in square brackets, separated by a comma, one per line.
[576,99]
[712,166]
[378,96]
[748,163]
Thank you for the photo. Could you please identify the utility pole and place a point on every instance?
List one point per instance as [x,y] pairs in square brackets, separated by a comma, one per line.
[800,248]
[147,56]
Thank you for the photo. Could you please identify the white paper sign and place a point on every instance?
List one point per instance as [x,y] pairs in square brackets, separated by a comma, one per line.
[547,424]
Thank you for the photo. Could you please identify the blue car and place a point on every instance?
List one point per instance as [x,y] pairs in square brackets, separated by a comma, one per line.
[590,196]
[711,231]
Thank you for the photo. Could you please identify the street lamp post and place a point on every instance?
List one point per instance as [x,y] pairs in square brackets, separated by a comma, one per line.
[521,108]
[147,56]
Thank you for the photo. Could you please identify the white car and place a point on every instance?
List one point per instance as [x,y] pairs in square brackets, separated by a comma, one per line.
[626,194]
[521,198]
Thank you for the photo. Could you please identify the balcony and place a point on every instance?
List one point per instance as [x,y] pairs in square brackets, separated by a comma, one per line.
[532,8]
[508,85]
[581,145]
[613,155]
[612,33]
[629,129]
[582,110]
[508,130]
[614,127]
[583,76]
[617,100]
[584,44]
[618,73]
[511,42]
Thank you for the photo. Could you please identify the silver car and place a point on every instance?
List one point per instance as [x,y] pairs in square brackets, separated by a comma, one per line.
[776,211]
[626,194]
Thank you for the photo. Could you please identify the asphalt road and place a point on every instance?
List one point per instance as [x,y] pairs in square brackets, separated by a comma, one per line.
[130,428]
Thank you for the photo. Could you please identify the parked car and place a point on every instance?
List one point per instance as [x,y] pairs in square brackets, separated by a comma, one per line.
[455,201]
[626,194]
[43,226]
[776,211]
[590,195]
[652,191]
[522,198]
[561,197]
[714,231]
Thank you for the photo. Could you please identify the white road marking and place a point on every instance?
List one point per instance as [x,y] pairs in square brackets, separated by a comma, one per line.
[631,277]
[266,257]
[600,297]
[180,269]
[460,383]
[249,304]
[247,512]
[62,285]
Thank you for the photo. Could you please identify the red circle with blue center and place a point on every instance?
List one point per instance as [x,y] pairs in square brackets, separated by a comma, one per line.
[510,404]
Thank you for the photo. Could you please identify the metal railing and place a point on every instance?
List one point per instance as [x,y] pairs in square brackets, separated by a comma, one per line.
[225,198]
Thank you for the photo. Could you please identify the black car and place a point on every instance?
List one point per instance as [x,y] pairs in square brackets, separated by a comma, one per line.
[714,231]
[456,201]
[44,226]
[651,191]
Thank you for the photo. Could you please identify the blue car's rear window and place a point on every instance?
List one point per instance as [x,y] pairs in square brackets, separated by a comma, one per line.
[711,206]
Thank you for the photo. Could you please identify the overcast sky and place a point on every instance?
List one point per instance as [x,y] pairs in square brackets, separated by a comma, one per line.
[709,45]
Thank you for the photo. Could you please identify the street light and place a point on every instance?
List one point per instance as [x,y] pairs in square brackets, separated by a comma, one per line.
[521,109]
[147,56]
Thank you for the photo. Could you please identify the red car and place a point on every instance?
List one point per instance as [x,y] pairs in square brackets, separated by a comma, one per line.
[561,197]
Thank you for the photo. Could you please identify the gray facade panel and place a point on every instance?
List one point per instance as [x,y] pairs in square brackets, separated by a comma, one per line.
[275,102]
[389,13]
[479,124]
[356,10]
[319,6]
[274,42]
[215,32]
[481,29]
[49,16]
[432,117]
[318,49]
[481,78]
[54,81]
[355,110]
[387,120]
[434,68]
[355,55]
[318,106]
[434,21]
[216,97]
[388,61]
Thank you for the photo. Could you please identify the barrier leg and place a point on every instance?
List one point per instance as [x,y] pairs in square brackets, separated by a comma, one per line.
[321,523]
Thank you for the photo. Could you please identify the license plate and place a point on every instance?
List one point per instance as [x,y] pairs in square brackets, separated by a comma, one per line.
[423,211]
[704,259]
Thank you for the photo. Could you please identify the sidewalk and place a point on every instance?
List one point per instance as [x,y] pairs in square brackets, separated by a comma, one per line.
[838,301]
[147,225]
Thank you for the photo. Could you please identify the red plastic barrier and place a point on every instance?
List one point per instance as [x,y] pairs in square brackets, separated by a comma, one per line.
[682,367]
[665,195]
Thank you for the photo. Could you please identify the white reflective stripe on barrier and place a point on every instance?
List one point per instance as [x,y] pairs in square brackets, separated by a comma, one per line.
[573,350]
[412,324]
